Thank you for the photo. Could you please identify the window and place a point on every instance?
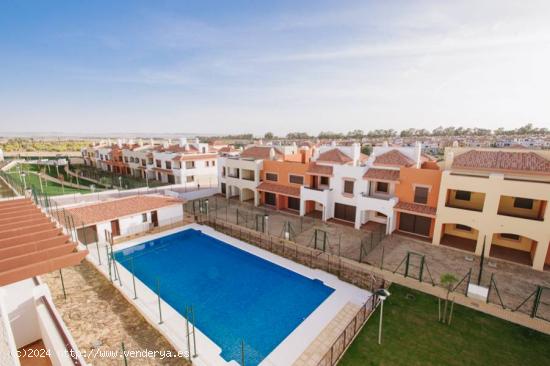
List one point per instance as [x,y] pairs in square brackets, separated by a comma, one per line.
[271,176]
[463,195]
[463,227]
[125,159]
[168,164]
[143,162]
[324,181]
[380,214]
[213,162]
[510,236]
[382,187]
[421,195]
[348,186]
[158,163]
[207,163]
[189,165]
[190,178]
[144,217]
[223,171]
[296,179]
[525,203]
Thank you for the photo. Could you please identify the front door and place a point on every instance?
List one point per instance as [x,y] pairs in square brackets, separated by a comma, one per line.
[294,203]
[154,218]
[115,228]
[270,199]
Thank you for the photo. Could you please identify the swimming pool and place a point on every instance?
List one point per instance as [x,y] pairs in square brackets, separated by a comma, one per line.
[236,295]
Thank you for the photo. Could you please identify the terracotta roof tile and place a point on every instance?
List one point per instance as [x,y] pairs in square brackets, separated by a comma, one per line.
[416,208]
[279,188]
[198,157]
[110,210]
[393,158]
[318,169]
[382,174]
[334,156]
[260,152]
[525,162]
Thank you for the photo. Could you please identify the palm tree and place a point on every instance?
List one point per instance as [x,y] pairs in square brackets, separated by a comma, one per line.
[447,281]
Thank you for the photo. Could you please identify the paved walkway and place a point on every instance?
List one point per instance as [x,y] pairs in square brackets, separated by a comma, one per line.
[100,318]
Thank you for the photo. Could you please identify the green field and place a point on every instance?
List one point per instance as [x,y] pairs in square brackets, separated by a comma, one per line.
[413,336]
[49,188]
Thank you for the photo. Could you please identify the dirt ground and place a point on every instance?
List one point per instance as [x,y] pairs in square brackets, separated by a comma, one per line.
[100,319]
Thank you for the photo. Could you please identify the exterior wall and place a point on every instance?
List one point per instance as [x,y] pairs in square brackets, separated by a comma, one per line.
[409,178]
[488,222]
[234,185]
[506,206]
[451,229]
[524,244]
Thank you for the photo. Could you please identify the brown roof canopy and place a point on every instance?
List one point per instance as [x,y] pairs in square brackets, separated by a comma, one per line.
[279,188]
[525,162]
[393,158]
[382,174]
[261,152]
[31,244]
[334,156]
[318,169]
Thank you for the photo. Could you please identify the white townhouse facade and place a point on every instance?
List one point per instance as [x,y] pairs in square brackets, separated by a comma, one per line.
[240,172]
[350,187]
[185,163]
[139,160]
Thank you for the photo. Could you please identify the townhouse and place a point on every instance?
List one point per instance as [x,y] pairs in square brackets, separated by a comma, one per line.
[186,163]
[240,173]
[329,182]
[495,202]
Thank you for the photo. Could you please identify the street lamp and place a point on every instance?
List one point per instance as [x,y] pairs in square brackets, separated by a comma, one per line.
[120,181]
[382,294]
[23,175]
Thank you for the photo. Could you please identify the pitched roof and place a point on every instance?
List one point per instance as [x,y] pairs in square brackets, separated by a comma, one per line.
[279,188]
[525,162]
[110,210]
[260,152]
[382,174]
[334,156]
[31,244]
[393,158]
[197,156]
[317,169]
[416,208]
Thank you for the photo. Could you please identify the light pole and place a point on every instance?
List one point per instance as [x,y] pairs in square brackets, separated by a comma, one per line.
[23,175]
[120,181]
[382,294]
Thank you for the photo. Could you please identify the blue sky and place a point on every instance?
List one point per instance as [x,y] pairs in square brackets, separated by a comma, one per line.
[257,66]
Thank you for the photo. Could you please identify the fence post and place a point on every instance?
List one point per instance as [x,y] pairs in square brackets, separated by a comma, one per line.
[536,302]
[63,284]
[158,298]
[133,278]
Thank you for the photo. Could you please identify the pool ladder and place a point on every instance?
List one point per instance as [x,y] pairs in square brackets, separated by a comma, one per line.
[190,314]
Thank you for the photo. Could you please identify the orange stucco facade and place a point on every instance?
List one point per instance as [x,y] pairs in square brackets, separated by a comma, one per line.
[283,170]
[428,176]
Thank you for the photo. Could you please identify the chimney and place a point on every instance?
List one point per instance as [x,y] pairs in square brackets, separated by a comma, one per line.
[119,142]
[385,144]
[417,153]
[303,154]
[152,142]
[272,154]
[455,143]
[183,141]
[196,140]
[260,142]
[356,152]
[140,142]
[333,144]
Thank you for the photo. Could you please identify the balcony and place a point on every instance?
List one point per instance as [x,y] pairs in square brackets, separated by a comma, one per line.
[465,200]
[522,208]
[315,194]
[370,202]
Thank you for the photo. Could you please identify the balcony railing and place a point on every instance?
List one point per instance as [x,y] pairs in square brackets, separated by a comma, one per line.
[520,216]
[233,175]
[370,195]
[475,209]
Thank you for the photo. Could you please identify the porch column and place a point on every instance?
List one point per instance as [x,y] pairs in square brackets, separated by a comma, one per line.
[488,241]
[324,215]
[302,207]
[540,254]
[438,227]
[358,218]
[240,194]
[227,191]
[256,198]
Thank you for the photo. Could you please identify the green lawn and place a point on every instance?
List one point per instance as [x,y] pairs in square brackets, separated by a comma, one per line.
[50,188]
[413,336]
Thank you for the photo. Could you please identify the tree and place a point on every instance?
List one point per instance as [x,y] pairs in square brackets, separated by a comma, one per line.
[269,136]
[447,281]
[366,149]
[356,134]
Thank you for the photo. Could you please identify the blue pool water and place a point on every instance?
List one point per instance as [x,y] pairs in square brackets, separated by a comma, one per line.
[236,295]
